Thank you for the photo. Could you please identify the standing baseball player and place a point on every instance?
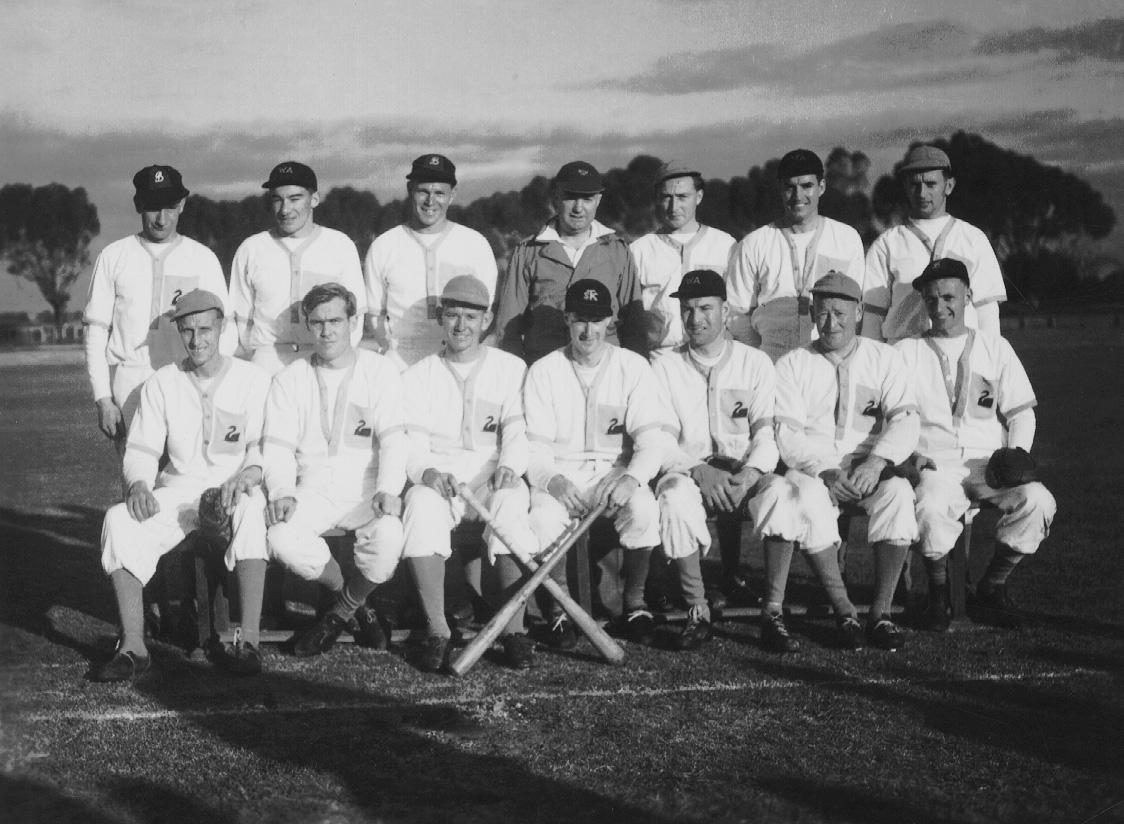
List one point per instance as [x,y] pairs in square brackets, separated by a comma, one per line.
[721,392]
[465,419]
[845,417]
[680,245]
[206,412]
[335,452]
[135,285]
[899,255]
[273,270]
[977,429]
[598,431]
[407,266]
[773,268]
[572,246]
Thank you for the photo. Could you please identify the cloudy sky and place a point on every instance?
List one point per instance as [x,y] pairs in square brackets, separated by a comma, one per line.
[92,90]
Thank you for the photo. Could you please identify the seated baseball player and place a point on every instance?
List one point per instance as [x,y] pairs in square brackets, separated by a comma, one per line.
[335,452]
[206,411]
[465,420]
[721,392]
[598,433]
[977,429]
[845,418]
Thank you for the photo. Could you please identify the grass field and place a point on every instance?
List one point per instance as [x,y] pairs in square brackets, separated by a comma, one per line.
[979,725]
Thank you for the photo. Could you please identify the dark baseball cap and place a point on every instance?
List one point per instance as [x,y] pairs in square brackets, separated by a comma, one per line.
[433,168]
[579,177]
[837,285]
[197,300]
[157,187]
[701,283]
[291,173]
[589,298]
[942,268]
[924,159]
[466,290]
[800,162]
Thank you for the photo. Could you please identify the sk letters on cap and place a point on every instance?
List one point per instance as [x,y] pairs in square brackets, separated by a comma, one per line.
[291,173]
[466,290]
[925,159]
[579,177]
[197,300]
[157,187]
[837,285]
[800,162]
[942,268]
[701,283]
[588,298]
[433,168]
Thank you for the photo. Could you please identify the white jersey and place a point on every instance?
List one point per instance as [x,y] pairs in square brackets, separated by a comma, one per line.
[661,261]
[133,290]
[271,275]
[828,413]
[353,439]
[964,405]
[405,272]
[902,252]
[771,275]
[211,428]
[466,426]
[619,418]
[725,410]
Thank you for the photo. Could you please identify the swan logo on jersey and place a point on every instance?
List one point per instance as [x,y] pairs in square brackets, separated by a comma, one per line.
[490,424]
[232,435]
[986,400]
[362,430]
[615,427]
[740,410]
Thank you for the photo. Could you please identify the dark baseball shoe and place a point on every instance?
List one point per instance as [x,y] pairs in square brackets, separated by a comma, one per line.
[321,637]
[850,633]
[240,658]
[738,591]
[562,634]
[639,627]
[369,630]
[993,606]
[936,617]
[518,651]
[774,634]
[886,635]
[123,666]
[696,632]
[435,654]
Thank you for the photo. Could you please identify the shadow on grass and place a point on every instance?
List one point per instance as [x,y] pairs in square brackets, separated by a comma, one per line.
[842,802]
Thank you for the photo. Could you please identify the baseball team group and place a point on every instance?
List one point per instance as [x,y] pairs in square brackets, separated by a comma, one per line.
[775,382]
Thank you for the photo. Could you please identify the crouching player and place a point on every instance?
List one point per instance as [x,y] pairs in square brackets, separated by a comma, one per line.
[465,419]
[335,451]
[206,411]
[845,418]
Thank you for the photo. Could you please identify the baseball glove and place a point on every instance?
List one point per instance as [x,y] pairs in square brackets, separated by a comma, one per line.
[1009,467]
[215,528]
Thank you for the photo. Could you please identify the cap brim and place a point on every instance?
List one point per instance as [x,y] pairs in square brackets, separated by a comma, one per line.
[835,293]
[431,177]
[579,189]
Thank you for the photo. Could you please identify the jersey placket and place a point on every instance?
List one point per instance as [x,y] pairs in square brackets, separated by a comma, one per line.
[590,394]
[207,406]
[432,287]
[911,307]
[295,256]
[467,388]
[331,421]
[804,278]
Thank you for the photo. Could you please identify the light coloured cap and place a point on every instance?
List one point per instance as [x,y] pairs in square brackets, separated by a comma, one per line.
[837,285]
[924,159]
[197,300]
[674,168]
[466,290]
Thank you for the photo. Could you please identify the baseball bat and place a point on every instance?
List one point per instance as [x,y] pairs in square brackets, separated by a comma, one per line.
[555,553]
[610,650]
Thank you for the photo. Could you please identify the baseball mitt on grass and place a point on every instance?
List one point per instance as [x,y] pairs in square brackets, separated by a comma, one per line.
[215,528]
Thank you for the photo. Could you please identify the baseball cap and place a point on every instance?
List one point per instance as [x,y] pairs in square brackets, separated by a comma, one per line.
[157,187]
[942,268]
[197,300]
[589,298]
[291,173]
[924,158]
[701,283]
[800,162]
[837,285]
[466,290]
[433,168]
[674,168]
[579,177]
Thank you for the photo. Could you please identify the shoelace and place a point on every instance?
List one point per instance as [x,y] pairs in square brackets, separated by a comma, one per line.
[637,613]
[695,615]
[558,622]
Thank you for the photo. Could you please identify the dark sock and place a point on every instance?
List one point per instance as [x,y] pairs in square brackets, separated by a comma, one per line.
[251,590]
[689,571]
[937,570]
[331,576]
[778,560]
[826,566]
[510,578]
[1003,563]
[635,575]
[429,576]
[889,558]
[352,596]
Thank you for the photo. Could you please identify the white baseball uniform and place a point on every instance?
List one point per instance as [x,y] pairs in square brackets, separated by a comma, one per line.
[405,272]
[831,413]
[899,255]
[211,429]
[661,260]
[129,330]
[334,438]
[771,275]
[270,276]
[974,397]
[593,426]
[466,425]
[725,409]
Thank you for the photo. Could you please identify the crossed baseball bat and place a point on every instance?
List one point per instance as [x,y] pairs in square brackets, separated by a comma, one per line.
[540,572]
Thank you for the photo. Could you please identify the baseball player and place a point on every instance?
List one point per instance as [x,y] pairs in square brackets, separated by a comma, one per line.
[407,266]
[680,245]
[335,451]
[845,417]
[572,246]
[773,268]
[598,433]
[465,420]
[135,285]
[974,398]
[721,392]
[273,270]
[901,253]
[206,412]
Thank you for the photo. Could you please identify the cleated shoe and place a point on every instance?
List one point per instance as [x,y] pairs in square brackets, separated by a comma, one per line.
[937,617]
[774,634]
[850,633]
[435,654]
[993,606]
[886,635]
[123,666]
[696,632]
[240,658]
[321,637]
[369,630]
[518,651]
[639,627]
[562,634]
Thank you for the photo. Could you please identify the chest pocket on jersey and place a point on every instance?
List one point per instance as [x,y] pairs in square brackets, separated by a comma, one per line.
[733,409]
[485,424]
[610,426]
[867,411]
[983,398]
[358,427]
[228,436]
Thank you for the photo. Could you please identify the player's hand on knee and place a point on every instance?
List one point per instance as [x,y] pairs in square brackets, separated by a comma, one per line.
[141,502]
[443,483]
[280,510]
[866,476]
[110,420]
[839,487]
[241,484]
[712,483]
[386,504]
[504,478]
[567,494]
[741,484]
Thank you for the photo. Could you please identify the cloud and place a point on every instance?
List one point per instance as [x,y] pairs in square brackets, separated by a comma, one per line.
[1101,39]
